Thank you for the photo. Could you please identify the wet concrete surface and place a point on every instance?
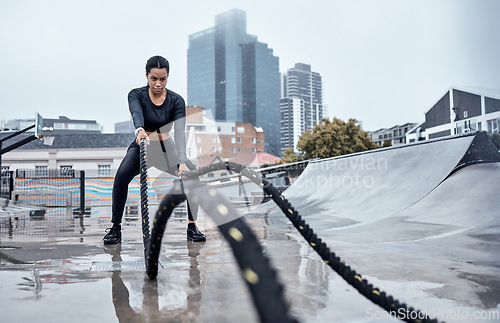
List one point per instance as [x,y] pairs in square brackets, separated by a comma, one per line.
[57,269]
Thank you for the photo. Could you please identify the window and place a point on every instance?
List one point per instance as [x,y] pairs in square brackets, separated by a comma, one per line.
[41,171]
[239,140]
[254,140]
[198,139]
[66,171]
[214,139]
[492,125]
[239,150]
[254,150]
[218,140]
[104,171]
[233,150]
[466,114]
[218,129]
[240,130]
[213,149]
[232,129]
[199,150]
[233,140]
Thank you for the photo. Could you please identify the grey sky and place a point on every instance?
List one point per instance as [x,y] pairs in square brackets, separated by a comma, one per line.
[382,62]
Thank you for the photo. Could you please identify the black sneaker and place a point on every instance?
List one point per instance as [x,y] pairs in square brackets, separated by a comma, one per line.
[194,234]
[113,235]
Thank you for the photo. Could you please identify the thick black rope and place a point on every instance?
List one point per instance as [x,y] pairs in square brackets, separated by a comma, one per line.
[260,277]
[378,297]
[144,195]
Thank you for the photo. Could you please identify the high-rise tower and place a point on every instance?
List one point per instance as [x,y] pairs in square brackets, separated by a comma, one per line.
[235,76]
[301,103]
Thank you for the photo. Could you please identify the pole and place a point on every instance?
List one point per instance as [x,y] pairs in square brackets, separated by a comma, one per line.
[11,183]
[82,192]
[17,144]
[17,133]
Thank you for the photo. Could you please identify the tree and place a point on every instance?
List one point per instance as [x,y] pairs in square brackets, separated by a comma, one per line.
[387,143]
[334,138]
[289,156]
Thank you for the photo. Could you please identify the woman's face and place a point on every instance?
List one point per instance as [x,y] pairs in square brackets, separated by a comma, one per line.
[157,79]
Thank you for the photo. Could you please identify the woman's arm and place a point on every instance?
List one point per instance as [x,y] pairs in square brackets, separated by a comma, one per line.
[180,128]
[134,105]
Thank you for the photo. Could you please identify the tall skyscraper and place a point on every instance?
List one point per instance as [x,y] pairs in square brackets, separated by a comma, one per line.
[301,103]
[237,77]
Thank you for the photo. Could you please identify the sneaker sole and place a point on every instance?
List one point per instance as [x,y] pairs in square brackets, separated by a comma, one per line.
[197,240]
[117,242]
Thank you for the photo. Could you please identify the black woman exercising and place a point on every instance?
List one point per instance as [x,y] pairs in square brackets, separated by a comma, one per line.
[154,109]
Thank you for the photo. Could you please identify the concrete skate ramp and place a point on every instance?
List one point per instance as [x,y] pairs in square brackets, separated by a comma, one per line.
[422,222]
[364,188]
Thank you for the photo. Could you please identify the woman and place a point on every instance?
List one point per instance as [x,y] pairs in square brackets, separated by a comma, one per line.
[154,109]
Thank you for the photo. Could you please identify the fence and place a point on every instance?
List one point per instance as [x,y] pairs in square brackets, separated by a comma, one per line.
[47,188]
[57,188]
[7,184]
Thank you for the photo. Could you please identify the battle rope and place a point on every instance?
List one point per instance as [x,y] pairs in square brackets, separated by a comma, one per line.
[378,297]
[144,195]
[260,277]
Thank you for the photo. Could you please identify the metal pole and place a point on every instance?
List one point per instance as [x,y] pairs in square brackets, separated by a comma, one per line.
[18,144]
[11,183]
[82,192]
[17,133]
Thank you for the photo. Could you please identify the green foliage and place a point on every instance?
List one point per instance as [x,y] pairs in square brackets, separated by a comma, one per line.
[387,143]
[334,138]
[289,156]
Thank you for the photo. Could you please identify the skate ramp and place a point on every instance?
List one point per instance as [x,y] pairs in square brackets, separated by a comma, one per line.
[426,229]
[367,187]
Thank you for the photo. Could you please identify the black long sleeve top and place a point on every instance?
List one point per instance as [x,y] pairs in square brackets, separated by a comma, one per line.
[151,117]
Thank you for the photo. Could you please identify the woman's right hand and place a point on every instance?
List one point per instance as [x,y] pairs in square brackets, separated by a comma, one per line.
[141,134]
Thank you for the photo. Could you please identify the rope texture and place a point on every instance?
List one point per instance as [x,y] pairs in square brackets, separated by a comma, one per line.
[378,297]
[144,195]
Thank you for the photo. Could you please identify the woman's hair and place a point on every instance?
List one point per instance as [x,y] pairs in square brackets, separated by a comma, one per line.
[157,62]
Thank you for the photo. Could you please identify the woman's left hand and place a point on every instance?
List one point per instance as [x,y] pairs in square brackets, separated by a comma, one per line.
[182,167]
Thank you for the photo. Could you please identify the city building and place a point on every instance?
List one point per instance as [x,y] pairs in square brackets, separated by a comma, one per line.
[301,103]
[62,125]
[396,135]
[124,127]
[226,140]
[235,76]
[98,154]
[458,111]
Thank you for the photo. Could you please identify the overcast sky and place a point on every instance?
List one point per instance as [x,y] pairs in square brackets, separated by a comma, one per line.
[382,62]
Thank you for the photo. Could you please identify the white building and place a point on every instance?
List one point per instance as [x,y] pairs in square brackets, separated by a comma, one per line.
[459,111]
[396,134]
[98,154]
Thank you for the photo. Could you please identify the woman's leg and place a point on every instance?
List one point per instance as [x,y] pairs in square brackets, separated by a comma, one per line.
[128,169]
[165,157]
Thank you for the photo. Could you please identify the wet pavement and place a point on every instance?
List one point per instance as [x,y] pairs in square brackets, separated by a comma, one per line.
[57,269]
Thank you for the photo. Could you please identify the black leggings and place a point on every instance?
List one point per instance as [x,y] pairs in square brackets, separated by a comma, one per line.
[130,167]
